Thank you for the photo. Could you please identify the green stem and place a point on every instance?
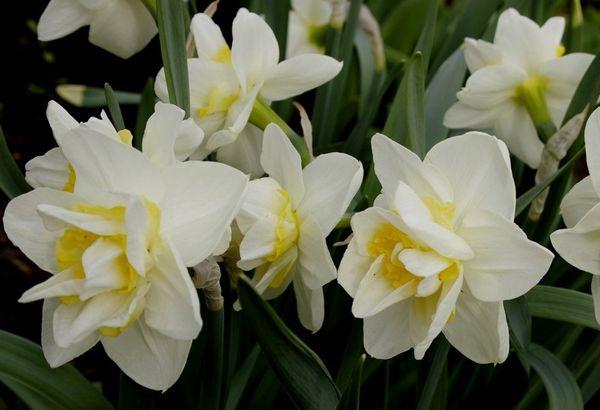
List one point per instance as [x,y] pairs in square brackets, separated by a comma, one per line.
[262,115]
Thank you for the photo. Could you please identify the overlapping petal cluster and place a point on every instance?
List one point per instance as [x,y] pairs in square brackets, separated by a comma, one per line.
[524,69]
[439,252]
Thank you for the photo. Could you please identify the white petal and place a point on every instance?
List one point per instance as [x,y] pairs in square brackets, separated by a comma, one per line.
[262,199]
[147,356]
[244,152]
[491,86]
[64,283]
[103,272]
[188,139]
[438,320]
[375,292]
[330,183]
[479,330]
[394,163]
[564,73]
[161,134]
[553,30]
[522,41]
[200,203]
[387,333]
[353,268]
[422,263]
[316,266]
[299,74]
[258,243]
[54,354]
[60,120]
[57,217]
[62,17]
[596,296]
[101,164]
[138,226]
[580,245]
[365,225]
[281,162]
[50,170]
[313,12]
[254,50]
[592,147]
[506,264]
[480,53]
[285,263]
[310,304]
[461,115]
[207,36]
[26,230]
[172,306]
[478,168]
[578,201]
[515,127]
[123,28]
[421,226]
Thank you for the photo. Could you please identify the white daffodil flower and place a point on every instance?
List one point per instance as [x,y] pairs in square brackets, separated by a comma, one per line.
[225,83]
[307,26]
[167,138]
[439,252]
[523,69]
[118,247]
[286,218]
[579,244]
[122,27]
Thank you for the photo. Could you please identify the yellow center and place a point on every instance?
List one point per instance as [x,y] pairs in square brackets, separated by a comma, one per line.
[73,243]
[389,241]
[223,55]
[286,235]
[532,94]
[560,50]
[220,98]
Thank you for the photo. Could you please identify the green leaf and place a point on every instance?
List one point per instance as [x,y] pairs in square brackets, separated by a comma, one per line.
[328,102]
[565,305]
[525,199]
[351,397]
[352,351]
[406,119]
[25,371]
[472,22]
[171,30]
[113,108]
[438,364]
[212,363]
[425,42]
[276,15]
[440,95]
[402,25]
[12,181]
[145,110]
[563,391]
[518,316]
[240,379]
[90,97]
[299,370]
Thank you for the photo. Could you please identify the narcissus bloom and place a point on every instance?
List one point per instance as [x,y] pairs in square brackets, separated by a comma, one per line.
[439,252]
[523,69]
[225,83]
[167,138]
[579,244]
[286,218]
[122,27]
[118,247]
[307,26]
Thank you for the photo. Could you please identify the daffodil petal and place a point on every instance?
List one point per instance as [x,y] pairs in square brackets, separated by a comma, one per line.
[310,304]
[387,334]
[579,201]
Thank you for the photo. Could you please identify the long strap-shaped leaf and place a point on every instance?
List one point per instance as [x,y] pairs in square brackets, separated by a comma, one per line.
[563,391]
[566,305]
[300,371]
[171,30]
[25,371]
[12,181]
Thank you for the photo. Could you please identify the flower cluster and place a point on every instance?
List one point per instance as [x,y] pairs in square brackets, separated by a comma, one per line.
[437,251]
